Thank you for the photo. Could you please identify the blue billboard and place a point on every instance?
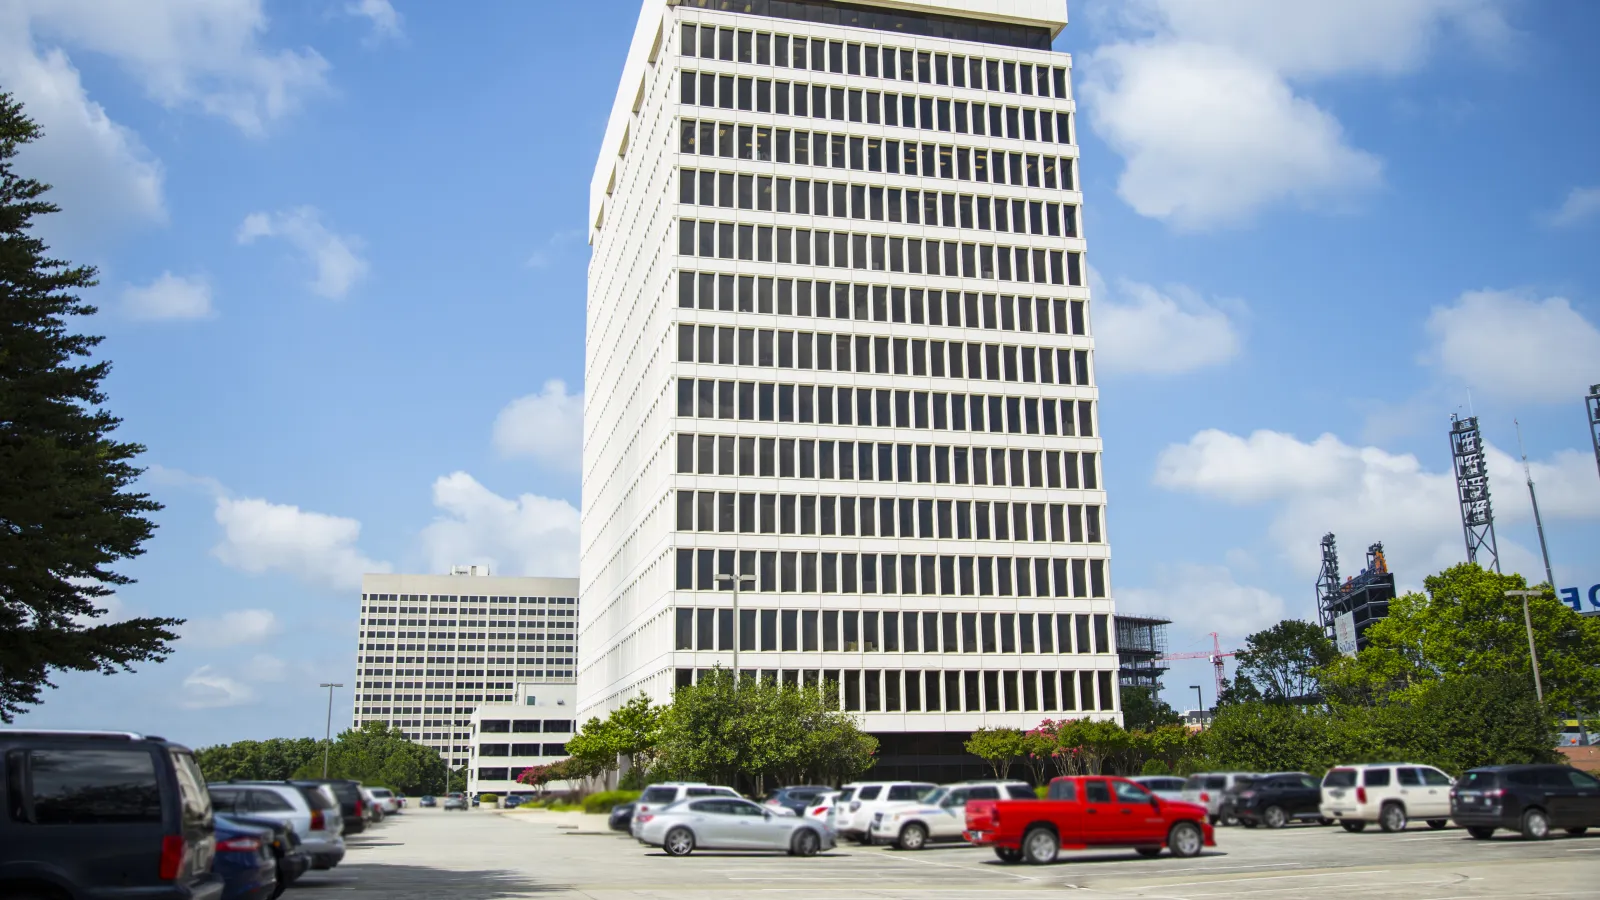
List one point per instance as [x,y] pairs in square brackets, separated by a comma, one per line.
[1584,601]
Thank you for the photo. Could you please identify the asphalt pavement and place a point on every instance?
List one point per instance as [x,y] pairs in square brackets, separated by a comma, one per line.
[488,855]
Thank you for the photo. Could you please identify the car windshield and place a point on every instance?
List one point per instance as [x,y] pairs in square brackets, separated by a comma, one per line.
[934,796]
[1477,780]
[1340,778]
[659,795]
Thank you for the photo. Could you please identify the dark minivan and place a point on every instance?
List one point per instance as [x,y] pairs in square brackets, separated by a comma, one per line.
[352,806]
[1527,799]
[139,802]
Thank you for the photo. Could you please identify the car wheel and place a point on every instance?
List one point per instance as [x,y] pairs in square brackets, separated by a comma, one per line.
[679,842]
[1040,846]
[1008,854]
[1149,852]
[1535,825]
[1249,823]
[1481,833]
[1274,817]
[805,843]
[912,837]
[1437,824]
[1578,832]
[1185,840]
[1392,818]
[1354,826]
[1324,820]
[1230,820]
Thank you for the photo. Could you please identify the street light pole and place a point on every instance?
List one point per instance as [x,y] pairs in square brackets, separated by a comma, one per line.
[327,734]
[735,580]
[1527,620]
[1538,523]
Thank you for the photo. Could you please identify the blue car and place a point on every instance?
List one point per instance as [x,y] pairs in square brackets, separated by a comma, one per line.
[244,860]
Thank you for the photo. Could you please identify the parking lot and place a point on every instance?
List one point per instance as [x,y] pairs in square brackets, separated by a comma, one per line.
[484,855]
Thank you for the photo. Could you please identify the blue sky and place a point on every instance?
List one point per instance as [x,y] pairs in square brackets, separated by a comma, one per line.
[342,281]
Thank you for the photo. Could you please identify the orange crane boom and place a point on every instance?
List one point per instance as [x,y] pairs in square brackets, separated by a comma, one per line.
[1215,656]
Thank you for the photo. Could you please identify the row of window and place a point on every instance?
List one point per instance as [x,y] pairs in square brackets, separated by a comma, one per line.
[878,204]
[936,690]
[856,631]
[815,404]
[753,513]
[865,353]
[871,60]
[880,253]
[525,726]
[518,750]
[452,598]
[890,573]
[879,303]
[874,154]
[873,107]
[709,454]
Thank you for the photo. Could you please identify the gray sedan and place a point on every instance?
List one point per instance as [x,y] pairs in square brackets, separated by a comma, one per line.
[726,823]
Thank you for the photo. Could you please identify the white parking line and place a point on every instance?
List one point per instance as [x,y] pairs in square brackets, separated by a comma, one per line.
[1275,877]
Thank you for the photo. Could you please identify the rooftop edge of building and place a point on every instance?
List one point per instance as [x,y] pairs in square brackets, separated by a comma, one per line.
[395,583]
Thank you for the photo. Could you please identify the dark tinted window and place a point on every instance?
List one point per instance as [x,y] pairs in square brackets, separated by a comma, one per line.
[1096,792]
[81,787]
[269,801]
[870,792]
[1554,778]
[1128,792]
[316,798]
[906,791]
[1582,780]
[1479,780]
[1216,782]
[1525,778]
[224,801]
[659,795]
[1408,777]
[1339,778]
[984,793]
[1063,790]
[1376,778]
[1021,792]
[1434,778]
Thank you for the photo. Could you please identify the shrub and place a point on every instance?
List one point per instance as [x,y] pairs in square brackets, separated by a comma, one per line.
[1155,767]
[1042,791]
[488,799]
[603,801]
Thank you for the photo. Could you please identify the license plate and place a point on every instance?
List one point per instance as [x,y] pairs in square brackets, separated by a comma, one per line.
[1336,794]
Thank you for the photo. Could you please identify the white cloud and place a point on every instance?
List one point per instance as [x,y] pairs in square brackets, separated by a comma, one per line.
[261,537]
[1581,204]
[547,426]
[1141,329]
[202,54]
[1199,98]
[1365,494]
[1567,486]
[553,248]
[206,688]
[335,257]
[265,667]
[103,177]
[385,21]
[528,535]
[231,629]
[1511,345]
[1202,599]
[170,297]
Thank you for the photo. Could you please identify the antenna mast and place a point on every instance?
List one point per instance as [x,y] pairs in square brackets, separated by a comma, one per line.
[1472,491]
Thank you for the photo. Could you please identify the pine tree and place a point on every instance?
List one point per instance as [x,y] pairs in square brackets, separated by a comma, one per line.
[66,514]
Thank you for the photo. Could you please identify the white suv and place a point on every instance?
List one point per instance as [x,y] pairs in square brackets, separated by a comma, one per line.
[1387,793]
[940,815]
[1206,789]
[852,812]
[667,793]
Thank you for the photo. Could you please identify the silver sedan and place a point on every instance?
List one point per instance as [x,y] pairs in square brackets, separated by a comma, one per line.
[727,823]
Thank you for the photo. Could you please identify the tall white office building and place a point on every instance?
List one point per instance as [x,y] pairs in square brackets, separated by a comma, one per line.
[432,648]
[838,341]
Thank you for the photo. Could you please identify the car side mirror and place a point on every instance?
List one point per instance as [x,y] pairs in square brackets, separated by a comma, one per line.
[1155,802]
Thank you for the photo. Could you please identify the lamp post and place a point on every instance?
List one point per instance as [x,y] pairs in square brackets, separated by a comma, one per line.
[327,734]
[736,581]
[1200,703]
[1527,620]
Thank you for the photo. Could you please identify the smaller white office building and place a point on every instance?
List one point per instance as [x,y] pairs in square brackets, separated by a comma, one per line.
[532,729]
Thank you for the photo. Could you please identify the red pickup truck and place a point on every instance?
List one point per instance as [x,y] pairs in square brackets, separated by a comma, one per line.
[1080,812]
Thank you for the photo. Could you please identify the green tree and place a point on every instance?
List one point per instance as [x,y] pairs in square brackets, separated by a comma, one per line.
[1282,662]
[998,747]
[270,760]
[1271,737]
[378,754]
[1143,707]
[1090,742]
[66,514]
[1038,750]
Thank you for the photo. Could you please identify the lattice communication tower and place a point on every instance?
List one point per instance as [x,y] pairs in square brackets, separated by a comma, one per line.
[1472,490]
[1593,401]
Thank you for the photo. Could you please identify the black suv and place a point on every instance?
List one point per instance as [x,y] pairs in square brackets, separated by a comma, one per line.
[352,805]
[1528,799]
[1274,800]
[139,802]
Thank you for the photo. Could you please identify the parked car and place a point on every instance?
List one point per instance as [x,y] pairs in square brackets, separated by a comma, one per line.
[1390,794]
[512,801]
[728,823]
[288,855]
[385,800]
[455,800]
[1275,800]
[371,808]
[310,811]
[667,793]
[1167,787]
[821,806]
[939,815]
[1531,800]
[1088,811]
[795,799]
[1207,788]
[852,815]
[621,818]
[140,801]
[353,806]
[427,801]
[244,860]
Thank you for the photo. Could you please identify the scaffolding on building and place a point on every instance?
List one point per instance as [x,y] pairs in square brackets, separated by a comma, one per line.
[1141,646]
[1365,596]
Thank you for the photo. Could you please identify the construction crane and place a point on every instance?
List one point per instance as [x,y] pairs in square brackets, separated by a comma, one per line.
[1215,656]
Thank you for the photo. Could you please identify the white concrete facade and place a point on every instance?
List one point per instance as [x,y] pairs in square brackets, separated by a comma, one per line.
[532,728]
[838,339]
[431,648]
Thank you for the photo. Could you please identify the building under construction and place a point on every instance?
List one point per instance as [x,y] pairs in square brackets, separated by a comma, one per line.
[1365,596]
[1141,645]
